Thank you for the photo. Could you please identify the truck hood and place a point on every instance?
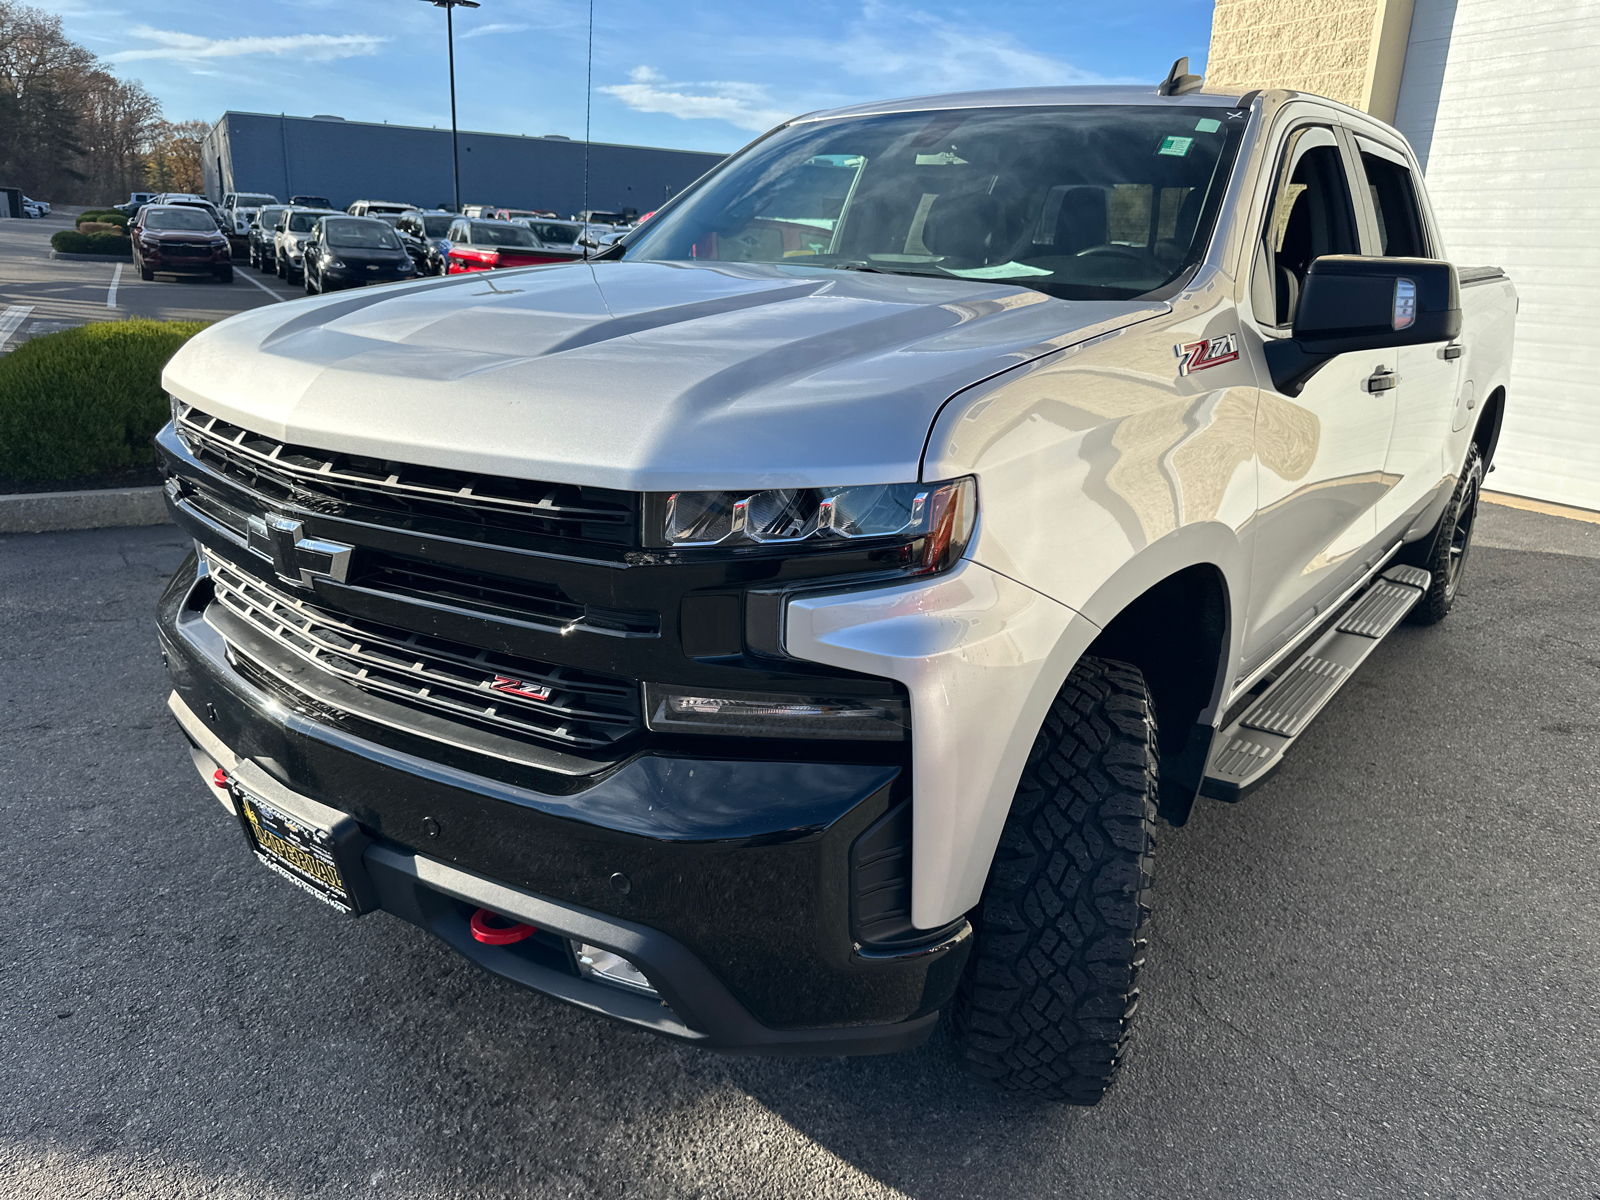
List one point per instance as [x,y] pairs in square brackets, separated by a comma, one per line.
[639,376]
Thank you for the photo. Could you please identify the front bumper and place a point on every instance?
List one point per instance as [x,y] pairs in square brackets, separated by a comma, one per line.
[736,876]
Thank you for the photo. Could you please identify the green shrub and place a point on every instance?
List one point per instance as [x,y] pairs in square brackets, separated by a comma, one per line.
[69,241]
[86,400]
[102,216]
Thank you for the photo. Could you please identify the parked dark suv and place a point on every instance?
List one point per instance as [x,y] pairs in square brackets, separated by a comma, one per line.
[259,245]
[180,239]
[423,235]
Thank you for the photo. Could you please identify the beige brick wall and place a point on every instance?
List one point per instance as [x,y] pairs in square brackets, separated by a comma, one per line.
[1347,50]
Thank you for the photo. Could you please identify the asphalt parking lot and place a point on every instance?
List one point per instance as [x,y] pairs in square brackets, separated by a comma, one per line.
[1374,978]
[40,294]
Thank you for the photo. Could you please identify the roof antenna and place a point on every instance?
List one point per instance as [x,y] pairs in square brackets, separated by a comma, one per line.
[589,92]
[1178,81]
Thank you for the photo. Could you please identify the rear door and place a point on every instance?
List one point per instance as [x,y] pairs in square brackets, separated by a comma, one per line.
[1424,396]
[1322,453]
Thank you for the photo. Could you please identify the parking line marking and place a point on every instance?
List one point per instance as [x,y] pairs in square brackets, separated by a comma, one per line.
[116,278]
[11,319]
[262,286]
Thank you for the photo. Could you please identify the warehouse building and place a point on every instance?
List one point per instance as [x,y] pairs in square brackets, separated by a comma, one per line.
[1497,100]
[354,160]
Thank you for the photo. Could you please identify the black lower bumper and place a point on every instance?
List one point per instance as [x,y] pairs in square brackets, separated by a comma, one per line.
[726,882]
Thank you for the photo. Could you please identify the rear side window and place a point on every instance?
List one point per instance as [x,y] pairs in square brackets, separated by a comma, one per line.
[1394,203]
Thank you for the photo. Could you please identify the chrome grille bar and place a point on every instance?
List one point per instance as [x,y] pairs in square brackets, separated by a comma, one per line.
[590,513]
[582,709]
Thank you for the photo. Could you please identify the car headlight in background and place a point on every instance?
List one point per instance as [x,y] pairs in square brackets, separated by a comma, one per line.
[680,709]
[940,515]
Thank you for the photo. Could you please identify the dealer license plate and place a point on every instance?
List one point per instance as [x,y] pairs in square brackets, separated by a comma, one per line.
[301,853]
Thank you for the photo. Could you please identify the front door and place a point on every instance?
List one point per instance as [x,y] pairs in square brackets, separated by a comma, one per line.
[1321,454]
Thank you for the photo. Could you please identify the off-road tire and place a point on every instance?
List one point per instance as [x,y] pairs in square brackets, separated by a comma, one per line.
[1051,986]
[1445,552]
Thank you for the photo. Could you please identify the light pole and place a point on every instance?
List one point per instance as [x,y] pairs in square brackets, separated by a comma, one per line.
[449,7]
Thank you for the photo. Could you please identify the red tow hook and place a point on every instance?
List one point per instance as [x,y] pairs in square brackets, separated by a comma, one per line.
[492,929]
[219,778]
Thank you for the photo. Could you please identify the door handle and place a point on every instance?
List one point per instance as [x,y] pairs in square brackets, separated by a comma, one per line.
[1382,380]
[1451,352]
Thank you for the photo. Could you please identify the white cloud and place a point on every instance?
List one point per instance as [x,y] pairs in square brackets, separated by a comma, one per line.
[745,105]
[899,50]
[188,47]
[494,27]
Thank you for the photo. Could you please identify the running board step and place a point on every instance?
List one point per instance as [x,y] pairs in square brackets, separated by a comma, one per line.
[1251,748]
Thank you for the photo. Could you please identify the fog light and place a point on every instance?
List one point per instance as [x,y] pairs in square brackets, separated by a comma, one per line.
[763,714]
[595,963]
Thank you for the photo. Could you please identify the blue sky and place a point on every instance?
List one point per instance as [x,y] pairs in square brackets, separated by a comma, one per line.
[705,75]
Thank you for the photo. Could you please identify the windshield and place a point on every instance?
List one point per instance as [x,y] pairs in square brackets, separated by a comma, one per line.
[437,227]
[194,220]
[1081,202]
[356,234]
[268,217]
[303,222]
[484,234]
[252,200]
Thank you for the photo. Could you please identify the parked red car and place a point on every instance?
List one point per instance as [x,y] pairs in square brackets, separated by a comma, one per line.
[180,239]
[487,245]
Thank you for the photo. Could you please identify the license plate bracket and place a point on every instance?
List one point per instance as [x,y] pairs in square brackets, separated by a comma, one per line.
[316,848]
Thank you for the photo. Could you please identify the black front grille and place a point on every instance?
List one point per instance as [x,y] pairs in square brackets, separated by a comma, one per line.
[516,599]
[185,250]
[325,481]
[557,705]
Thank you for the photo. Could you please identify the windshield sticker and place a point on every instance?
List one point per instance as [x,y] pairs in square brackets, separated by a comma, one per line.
[1177,146]
[1207,125]
[999,272]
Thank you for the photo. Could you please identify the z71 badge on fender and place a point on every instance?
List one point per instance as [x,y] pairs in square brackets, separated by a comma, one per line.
[1207,352]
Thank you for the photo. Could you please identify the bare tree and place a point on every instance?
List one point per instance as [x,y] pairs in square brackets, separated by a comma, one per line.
[70,131]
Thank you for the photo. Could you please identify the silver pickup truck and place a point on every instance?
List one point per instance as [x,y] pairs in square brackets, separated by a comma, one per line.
[784,630]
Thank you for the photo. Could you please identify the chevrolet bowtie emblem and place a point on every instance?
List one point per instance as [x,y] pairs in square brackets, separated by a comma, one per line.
[296,559]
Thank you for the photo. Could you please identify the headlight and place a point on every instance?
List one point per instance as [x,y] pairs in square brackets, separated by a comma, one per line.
[940,515]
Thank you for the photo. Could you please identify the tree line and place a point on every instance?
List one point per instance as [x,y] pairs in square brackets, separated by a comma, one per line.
[71,132]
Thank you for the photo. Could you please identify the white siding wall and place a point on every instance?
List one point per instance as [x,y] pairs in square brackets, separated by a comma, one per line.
[1501,99]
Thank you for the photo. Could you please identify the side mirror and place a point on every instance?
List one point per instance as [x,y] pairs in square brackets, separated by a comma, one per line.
[1352,303]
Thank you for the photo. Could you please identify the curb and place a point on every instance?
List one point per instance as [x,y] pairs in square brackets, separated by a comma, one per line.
[1528,504]
[108,508]
[90,257]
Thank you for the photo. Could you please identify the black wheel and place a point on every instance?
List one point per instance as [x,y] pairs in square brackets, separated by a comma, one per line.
[306,279]
[225,275]
[283,271]
[1445,553]
[1051,986]
[146,274]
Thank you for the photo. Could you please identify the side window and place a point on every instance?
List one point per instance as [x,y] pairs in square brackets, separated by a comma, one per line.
[1310,215]
[1394,204]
